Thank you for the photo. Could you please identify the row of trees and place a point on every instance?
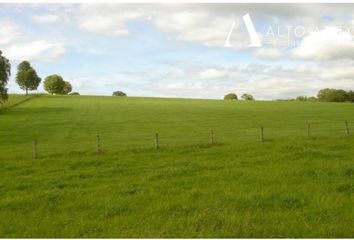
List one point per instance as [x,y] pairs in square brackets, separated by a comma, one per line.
[330,95]
[324,95]
[28,79]
[54,84]
[335,95]
[233,96]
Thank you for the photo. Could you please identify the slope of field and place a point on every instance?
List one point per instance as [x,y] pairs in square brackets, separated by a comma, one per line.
[15,99]
[288,186]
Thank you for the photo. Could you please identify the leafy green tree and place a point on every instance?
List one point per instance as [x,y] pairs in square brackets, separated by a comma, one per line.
[332,95]
[5,72]
[301,98]
[119,94]
[247,97]
[312,99]
[27,77]
[351,96]
[230,96]
[54,84]
[67,88]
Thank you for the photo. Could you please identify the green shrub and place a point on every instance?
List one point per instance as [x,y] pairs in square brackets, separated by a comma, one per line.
[230,96]
[247,97]
[119,94]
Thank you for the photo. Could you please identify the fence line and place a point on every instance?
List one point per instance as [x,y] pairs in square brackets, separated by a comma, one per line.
[35,150]
[347,128]
[262,134]
[211,138]
[308,130]
[98,144]
[157,143]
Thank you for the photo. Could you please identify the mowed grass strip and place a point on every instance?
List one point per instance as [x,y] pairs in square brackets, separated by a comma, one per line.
[288,186]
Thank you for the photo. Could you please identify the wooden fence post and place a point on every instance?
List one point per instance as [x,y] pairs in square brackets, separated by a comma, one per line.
[211,136]
[35,149]
[347,128]
[308,130]
[98,144]
[157,144]
[262,134]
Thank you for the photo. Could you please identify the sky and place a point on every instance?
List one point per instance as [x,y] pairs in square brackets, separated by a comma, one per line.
[189,50]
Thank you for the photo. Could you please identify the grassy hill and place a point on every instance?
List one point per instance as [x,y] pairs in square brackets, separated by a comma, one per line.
[15,99]
[287,186]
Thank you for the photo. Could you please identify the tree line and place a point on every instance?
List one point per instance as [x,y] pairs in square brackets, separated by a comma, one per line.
[28,79]
[329,95]
[233,96]
[324,95]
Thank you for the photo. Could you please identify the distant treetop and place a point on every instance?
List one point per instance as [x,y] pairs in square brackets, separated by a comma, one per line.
[27,77]
[230,96]
[247,97]
[119,94]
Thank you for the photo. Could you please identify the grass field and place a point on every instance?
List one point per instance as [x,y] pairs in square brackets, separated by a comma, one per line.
[288,186]
[15,99]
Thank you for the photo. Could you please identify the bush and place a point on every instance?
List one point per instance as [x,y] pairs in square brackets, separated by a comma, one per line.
[333,95]
[301,98]
[247,97]
[54,84]
[351,96]
[119,94]
[67,88]
[230,96]
[74,93]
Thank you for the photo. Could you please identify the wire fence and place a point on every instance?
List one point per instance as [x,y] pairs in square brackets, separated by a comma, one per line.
[105,141]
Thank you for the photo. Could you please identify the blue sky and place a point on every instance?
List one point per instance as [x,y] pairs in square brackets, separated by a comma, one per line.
[177,50]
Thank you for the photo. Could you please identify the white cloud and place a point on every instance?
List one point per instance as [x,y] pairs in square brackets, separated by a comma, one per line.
[269,52]
[37,50]
[184,22]
[206,24]
[109,19]
[327,44]
[8,32]
[211,73]
[198,26]
[48,18]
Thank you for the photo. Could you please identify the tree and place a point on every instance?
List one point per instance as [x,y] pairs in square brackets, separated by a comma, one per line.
[119,94]
[5,72]
[351,96]
[332,95]
[230,96]
[54,84]
[27,77]
[67,88]
[247,97]
[312,99]
[301,98]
